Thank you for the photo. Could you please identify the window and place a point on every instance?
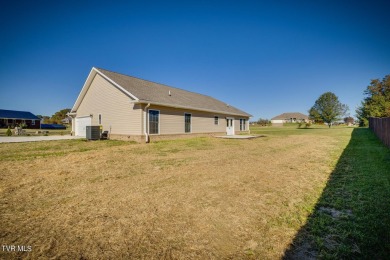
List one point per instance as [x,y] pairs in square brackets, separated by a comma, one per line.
[32,122]
[154,118]
[242,124]
[100,119]
[187,123]
[216,120]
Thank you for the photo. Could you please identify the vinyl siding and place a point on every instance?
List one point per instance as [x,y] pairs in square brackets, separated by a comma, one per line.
[119,115]
[172,121]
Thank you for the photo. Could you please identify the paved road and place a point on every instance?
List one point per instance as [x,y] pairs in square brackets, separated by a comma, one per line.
[22,139]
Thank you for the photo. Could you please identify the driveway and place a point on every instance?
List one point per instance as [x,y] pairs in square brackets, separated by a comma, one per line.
[23,139]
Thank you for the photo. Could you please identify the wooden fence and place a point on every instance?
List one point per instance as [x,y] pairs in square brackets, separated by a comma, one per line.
[381,127]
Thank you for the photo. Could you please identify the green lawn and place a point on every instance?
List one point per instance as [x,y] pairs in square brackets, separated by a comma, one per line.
[351,220]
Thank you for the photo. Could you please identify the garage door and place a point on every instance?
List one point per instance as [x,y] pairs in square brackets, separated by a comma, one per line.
[80,125]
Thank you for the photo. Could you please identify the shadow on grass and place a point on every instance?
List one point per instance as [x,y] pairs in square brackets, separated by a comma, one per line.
[352,218]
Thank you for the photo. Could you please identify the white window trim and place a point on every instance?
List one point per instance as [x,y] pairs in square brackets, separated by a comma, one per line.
[159,121]
[185,113]
[243,124]
[32,122]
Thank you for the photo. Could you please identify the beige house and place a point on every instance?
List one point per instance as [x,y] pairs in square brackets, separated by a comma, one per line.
[135,109]
[291,117]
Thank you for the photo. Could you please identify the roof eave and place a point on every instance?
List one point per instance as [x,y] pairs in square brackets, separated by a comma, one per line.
[190,108]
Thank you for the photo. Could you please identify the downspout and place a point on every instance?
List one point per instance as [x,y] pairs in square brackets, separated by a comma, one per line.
[146,123]
[73,116]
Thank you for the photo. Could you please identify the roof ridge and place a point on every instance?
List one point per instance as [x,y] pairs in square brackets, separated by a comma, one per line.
[160,84]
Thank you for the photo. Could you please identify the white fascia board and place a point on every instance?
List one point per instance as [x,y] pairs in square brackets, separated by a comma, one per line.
[88,82]
[91,74]
[186,107]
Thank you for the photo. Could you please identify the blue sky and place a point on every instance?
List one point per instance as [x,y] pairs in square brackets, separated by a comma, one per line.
[265,57]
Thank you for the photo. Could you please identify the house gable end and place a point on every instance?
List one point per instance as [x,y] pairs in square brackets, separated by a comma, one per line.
[88,83]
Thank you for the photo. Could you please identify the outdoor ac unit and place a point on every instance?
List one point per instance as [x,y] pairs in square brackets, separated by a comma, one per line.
[93,132]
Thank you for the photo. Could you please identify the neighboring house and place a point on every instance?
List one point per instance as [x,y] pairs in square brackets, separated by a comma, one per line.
[294,117]
[67,120]
[12,118]
[137,109]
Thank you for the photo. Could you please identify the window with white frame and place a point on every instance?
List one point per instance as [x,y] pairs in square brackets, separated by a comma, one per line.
[242,124]
[32,122]
[216,120]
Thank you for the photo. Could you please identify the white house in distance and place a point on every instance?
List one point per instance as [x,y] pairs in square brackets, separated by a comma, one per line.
[130,108]
[290,117]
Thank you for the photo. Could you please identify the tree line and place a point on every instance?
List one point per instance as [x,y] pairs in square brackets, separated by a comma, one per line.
[56,118]
[328,109]
[376,102]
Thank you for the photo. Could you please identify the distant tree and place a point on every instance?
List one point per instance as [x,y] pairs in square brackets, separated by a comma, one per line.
[376,102]
[349,120]
[328,108]
[59,115]
[46,120]
[315,116]
[263,122]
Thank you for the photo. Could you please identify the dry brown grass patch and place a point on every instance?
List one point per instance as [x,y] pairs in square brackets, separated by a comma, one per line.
[198,198]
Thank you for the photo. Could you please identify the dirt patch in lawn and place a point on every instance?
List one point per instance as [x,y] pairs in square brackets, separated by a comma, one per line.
[197,198]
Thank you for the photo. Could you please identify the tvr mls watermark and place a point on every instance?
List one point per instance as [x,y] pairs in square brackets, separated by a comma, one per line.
[16,248]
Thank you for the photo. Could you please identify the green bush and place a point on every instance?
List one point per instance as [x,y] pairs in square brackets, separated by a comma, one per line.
[23,125]
[9,132]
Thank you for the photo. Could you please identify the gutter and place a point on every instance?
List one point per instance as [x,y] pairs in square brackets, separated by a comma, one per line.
[146,123]
[189,108]
[71,114]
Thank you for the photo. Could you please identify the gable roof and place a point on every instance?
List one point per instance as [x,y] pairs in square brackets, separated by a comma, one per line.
[296,115]
[12,114]
[144,91]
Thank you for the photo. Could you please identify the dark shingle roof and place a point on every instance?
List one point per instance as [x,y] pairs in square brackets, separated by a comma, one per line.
[11,114]
[158,93]
[296,115]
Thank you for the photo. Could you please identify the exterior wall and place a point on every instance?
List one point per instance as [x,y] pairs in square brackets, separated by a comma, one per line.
[5,122]
[119,115]
[154,138]
[37,124]
[172,121]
